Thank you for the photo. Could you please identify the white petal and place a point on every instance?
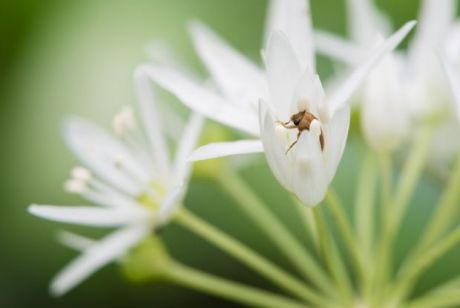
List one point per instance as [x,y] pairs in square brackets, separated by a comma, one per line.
[170,203]
[99,151]
[346,90]
[221,149]
[365,21]
[338,48]
[274,143]
[75,241]
[454,84]
[435,18]
[283,73]
[151,120]
[190,137]
[335,136]
[200,99]
[292,17]
[91,216]
[310,179]
[96,256]
[237,77]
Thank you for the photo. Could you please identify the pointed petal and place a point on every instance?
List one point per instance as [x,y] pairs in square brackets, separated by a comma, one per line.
[335,134]
[171,202]
[237,77]
[346,90]
[222,149]
[99,151]
[75,241]
[283,73]
[191,133]
[90,216]
[454,84]
[151,120]
[293,19]
[435,18]
[365,21]
[338,48]
[200,99]
[310,179]
[96,256]
[274,143]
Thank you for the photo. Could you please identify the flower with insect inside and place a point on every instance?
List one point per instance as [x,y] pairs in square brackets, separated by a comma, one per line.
[131,179]
[255,101]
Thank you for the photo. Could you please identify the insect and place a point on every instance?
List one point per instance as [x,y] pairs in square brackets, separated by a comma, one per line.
[301,121]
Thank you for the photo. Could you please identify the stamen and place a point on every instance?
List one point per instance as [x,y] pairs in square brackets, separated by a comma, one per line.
[80,173]
[75,186]
[123,121]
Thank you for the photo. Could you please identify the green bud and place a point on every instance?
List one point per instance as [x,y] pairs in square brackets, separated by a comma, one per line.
[146,262]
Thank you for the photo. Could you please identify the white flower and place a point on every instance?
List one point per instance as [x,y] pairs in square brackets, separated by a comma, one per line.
[289,85]
[404,87]
[129,176]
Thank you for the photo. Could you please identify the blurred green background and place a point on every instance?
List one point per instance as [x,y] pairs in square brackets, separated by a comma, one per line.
[77,57]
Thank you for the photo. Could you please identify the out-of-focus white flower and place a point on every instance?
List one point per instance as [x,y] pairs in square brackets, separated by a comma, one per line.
[130,177]
[409,86]
[290,85]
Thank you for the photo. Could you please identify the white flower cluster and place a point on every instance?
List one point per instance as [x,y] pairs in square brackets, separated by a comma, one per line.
[300,126]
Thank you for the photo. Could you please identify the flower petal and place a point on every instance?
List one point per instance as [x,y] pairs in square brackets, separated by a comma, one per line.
[75,241]
[293,19]
[365,21]
[237,77]
[338,48]
[454,84]
[90,216]
[100,151]
[151,120]
[170,203]
[221,149]
[283,73]
[346,90]
[200,99]
[192,132]
[435,18]
[274,142]
[310,179]
[335,136]
[96,256]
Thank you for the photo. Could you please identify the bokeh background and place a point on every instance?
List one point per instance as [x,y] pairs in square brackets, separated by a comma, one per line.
[59,58]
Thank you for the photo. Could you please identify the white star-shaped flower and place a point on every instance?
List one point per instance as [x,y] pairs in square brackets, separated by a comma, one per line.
[255,101]
[131,178]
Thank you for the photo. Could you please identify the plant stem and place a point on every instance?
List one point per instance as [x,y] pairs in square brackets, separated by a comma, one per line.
[218,286]
[443,296]
[364,218]
[445,211]
[410,175]
[252,206]
[309,223]
[247,256]
[413,269]
[346,232]
[332,258]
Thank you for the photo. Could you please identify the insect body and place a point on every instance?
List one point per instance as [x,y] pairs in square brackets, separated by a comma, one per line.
[301,121]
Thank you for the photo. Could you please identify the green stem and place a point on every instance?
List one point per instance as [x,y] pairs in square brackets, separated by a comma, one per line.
[445,211]
[410,175]
[364,218]
[204,282]
[332,258]
[443,296]
[247,256]
[413,269]
[346,232]
[252,206]
[309,223]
